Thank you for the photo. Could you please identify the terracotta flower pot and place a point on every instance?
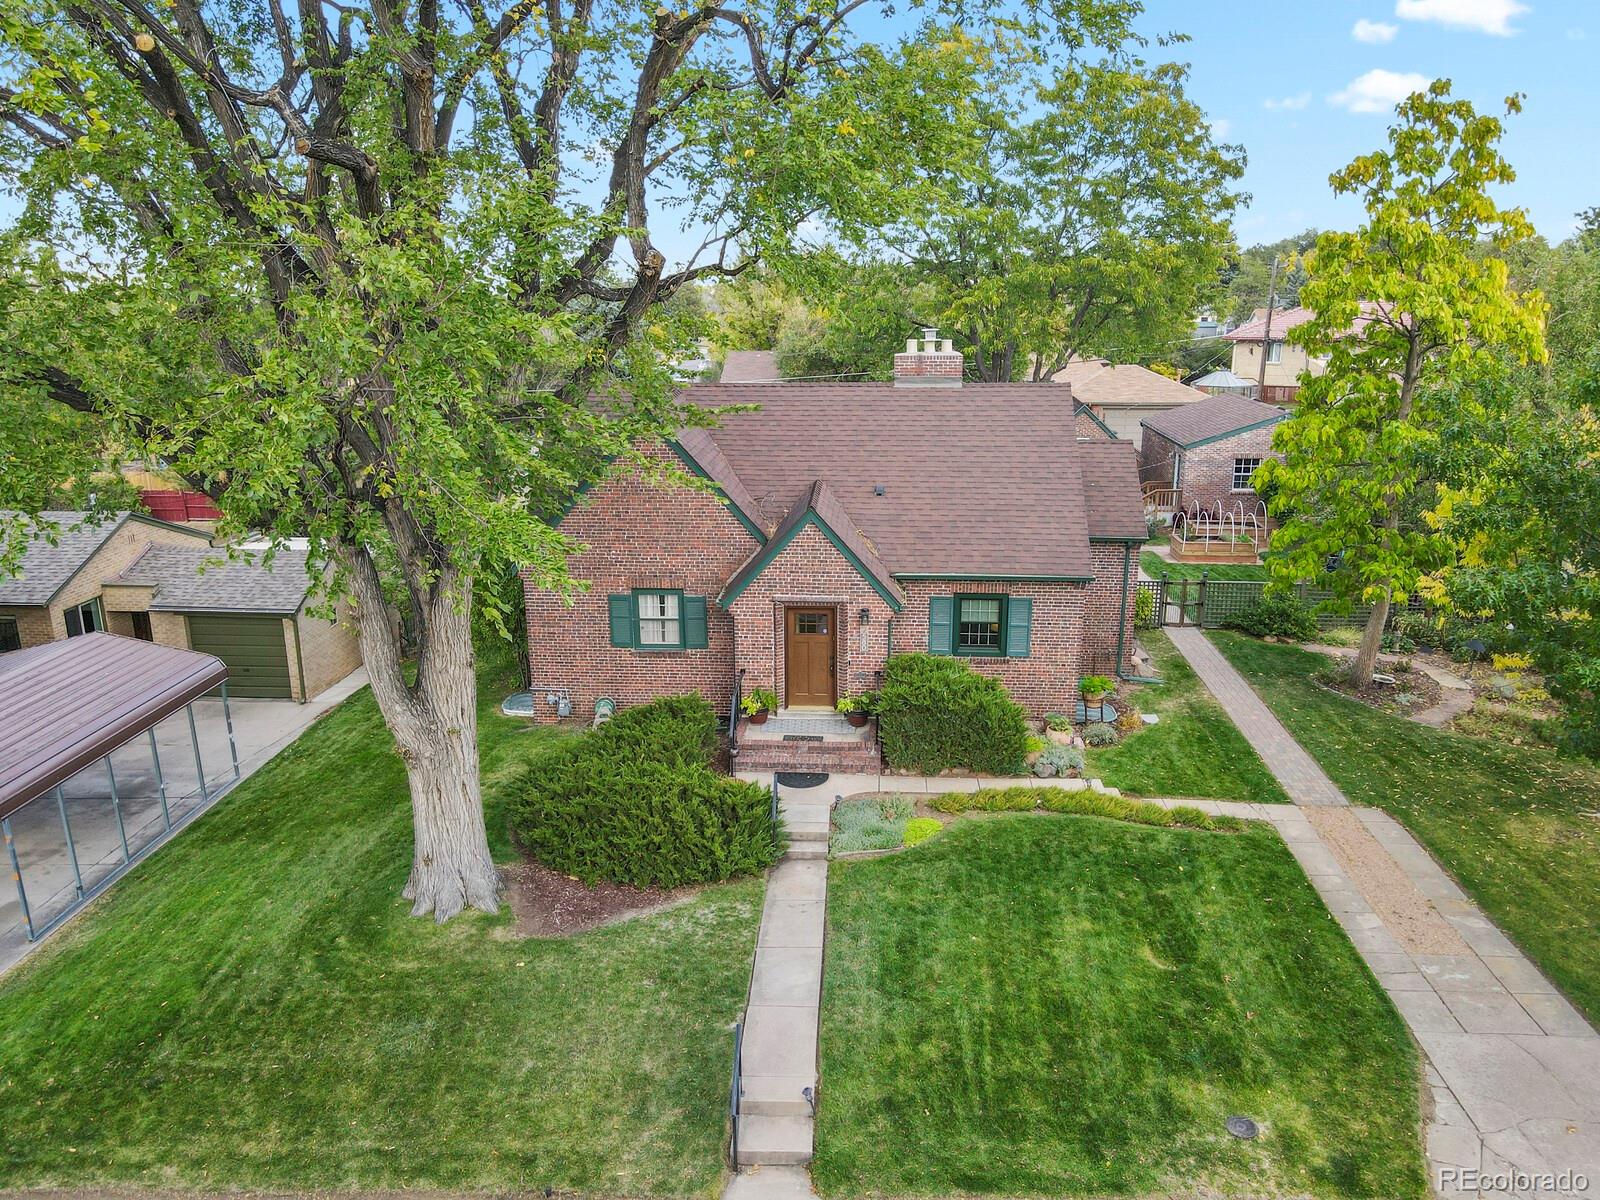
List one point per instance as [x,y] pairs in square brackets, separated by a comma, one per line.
[858,719]
[759,718]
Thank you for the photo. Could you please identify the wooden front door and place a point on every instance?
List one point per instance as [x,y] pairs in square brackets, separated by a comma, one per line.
[809,657]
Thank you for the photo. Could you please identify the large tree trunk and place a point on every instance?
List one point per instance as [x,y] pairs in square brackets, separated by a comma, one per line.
[435,726]
[1371,641]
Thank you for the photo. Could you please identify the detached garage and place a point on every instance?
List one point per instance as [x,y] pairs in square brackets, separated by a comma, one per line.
[255,649]
[252,615]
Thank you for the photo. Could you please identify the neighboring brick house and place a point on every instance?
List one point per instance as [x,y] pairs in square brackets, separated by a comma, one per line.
[845,522]
[1206,452]
[143,578]
[1286,363]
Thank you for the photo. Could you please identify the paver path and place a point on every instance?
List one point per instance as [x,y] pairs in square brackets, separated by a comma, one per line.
[1513,1069]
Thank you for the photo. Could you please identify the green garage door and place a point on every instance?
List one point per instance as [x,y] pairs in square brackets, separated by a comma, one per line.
[253,648]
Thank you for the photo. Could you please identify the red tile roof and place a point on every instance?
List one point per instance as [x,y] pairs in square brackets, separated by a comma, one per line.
[1283,320]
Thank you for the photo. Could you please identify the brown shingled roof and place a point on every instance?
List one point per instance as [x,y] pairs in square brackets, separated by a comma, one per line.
[819,500]
[977,480]
[1212,418]
[1110,470]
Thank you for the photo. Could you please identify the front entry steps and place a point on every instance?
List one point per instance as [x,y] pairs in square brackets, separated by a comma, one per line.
[808,742]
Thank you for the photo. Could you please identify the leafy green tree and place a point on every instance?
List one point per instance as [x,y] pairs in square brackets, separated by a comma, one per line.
[387,275]
[1087,215]
[1523,476]
[1249,275]
[1399,302]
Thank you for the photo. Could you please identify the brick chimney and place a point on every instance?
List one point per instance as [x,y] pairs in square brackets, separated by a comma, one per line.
[928,362]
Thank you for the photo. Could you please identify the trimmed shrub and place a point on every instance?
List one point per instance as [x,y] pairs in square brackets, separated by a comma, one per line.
[1275,616]
[636,802]
[1144,606]
[1083,803]
[920,829]
[1063,758]
[1100,734]
[870,823]
[937,714]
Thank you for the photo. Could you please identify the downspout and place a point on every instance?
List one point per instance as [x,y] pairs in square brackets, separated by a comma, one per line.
[1122,615]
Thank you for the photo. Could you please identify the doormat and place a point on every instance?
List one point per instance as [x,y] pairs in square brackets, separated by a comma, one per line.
[802,737]
[801,779]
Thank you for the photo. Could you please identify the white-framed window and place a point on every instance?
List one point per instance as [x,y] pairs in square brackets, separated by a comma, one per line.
[1243,468]
[1274,352]
[980,625]
[660,617]
[84,618]
[10,636]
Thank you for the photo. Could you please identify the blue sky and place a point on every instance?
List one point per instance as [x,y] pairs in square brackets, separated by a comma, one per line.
[1283,81]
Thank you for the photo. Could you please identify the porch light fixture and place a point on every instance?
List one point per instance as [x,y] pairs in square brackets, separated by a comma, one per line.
[864,616]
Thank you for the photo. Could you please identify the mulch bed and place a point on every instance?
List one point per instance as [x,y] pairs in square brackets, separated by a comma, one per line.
[547,903]
[1382,695]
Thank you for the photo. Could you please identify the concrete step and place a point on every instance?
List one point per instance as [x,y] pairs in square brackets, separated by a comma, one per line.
[779,1141]
[775,1095]
[807,831]
[804,850]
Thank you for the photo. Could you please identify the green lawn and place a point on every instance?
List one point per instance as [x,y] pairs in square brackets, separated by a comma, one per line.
[1513,823]
[1155,566]
[254,1008]
[1042,1005]
[1195,750]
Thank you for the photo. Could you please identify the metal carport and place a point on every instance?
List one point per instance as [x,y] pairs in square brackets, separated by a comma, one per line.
[101,761]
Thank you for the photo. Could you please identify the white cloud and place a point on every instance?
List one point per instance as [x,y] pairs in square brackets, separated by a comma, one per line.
[1374,32]
[1484,16]
[1288,103]
[1379,90]
[1221,127]
[1575,34]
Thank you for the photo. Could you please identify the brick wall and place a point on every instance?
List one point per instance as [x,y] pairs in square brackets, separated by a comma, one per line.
[811,573]
[1045,681]
[1156,458]
[33,624]
[1103,608]
[111,560]
[1208,469]
[637,534]
[329,650]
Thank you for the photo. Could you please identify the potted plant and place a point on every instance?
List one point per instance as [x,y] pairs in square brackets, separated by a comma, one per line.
[758,704]
[857,709]
[1096,687]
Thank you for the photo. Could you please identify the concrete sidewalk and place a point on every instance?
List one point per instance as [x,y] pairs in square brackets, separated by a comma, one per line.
[1512,1068]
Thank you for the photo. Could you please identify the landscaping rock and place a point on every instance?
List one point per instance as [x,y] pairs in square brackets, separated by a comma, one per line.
[1044,770]
[1032,757]
[1061,737]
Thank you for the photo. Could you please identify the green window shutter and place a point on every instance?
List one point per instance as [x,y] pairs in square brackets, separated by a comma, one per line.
[694,622]
[621,620]
[1019,627]
[941,625]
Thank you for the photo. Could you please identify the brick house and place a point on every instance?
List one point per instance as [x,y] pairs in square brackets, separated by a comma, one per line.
[845,522]
[141,577]
[1207,451]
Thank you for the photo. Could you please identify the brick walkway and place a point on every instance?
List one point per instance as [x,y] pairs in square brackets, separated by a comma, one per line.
[1513,1070]
[1297,771]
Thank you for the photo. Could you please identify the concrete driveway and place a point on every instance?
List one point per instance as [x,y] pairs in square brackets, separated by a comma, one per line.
[261,728]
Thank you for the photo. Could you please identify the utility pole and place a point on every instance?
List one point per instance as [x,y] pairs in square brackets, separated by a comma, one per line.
[1266,340]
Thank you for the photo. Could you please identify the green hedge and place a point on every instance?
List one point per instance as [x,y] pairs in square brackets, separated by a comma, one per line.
[936,713]
[1083,803]
[1275,616]
[636,802]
